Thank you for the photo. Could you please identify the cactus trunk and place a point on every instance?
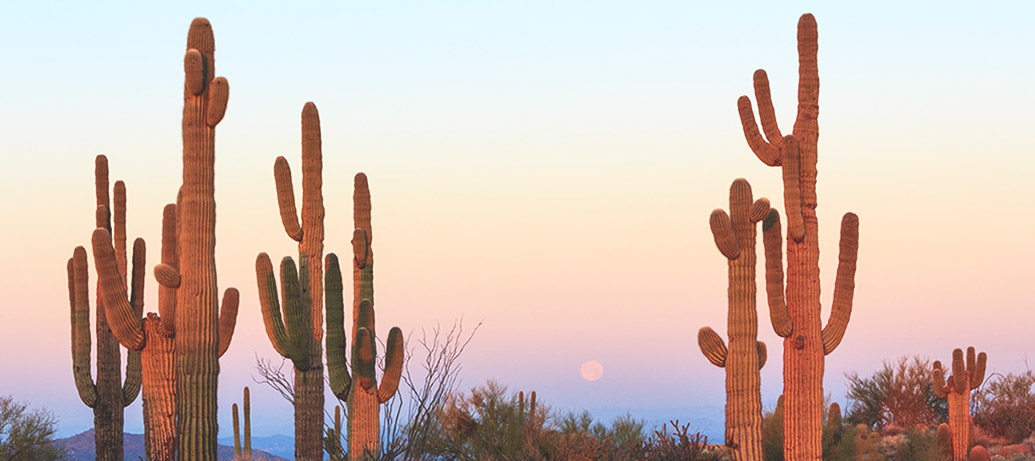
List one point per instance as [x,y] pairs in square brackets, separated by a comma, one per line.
[966,376]
[159,392]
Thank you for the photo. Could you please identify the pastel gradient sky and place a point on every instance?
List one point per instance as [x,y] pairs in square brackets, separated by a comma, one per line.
[545,167]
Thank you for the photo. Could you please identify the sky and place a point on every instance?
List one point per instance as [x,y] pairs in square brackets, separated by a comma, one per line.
[544,168]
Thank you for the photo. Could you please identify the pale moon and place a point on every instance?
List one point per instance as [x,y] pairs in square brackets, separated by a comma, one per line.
[591,370]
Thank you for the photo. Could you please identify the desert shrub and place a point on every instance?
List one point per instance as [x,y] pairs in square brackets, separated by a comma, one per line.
[919,443]
[26,434]
[900,393]
[681,444]
[1005,406]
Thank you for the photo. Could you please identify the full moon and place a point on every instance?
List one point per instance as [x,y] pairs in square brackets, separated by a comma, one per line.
[591,370]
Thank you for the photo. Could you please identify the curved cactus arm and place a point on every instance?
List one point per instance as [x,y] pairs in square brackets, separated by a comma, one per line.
[772,240]
[722,231]
[762,355]
[938,380]
[337,367]
[844,285]
[79,299]
[759,210]
[166,273]
[393,366]
[977,375]
[792,198]
[122,319]
[132,383]
[766,152]
[712,346]
[270,304]
[219,95]
[228,318]
[959,371]
[286,198]
[296,310]
[364,363]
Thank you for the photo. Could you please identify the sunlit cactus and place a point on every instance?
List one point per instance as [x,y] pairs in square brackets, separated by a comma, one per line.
[735,237]
[202,328]
[243,451]
[966,376]
[359,385]
[795,308]
[109,395]
[301,343]
[332,438]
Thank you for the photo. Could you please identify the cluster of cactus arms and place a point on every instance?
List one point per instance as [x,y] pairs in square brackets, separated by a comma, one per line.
[966,376]
[188,297]
[332,439]
[359,386]
[530,417]
[300,339]
[735,237]
[245,453]
[109,395]
[795,309]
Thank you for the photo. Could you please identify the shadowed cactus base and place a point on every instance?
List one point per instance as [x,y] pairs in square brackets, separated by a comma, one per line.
[795,309]
[109,395]
[735,238]
[359,386]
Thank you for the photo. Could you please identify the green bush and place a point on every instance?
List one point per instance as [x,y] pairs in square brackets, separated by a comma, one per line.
[900,394]
[27,434]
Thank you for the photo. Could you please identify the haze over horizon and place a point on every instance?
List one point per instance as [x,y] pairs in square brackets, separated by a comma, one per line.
[545,168]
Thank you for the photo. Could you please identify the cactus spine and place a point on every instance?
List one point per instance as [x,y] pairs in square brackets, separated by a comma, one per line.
[364,399]
[965,378]
[109,395]
[735,237]
[307,357]
[244,454]
[796,318]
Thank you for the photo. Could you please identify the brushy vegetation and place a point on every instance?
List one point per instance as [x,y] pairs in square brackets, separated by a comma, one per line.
[899,394]
[1005,406]
[27,434]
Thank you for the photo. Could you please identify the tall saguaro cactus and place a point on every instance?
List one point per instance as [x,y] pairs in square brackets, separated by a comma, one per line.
[155,337]
[795,315]
[735,237]
[308,355]
[965,378]
[243,453]
[109,395]
[361,390]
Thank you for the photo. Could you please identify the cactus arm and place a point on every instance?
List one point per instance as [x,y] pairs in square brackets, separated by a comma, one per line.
[772,240]
[363,364]
[722,231]
[939,381]
[337,368]
[977,375]
[808,73]
[765,152]
[762,355]
[792,198]
[228,318]
[118,228]
[766,113]
[166,273]
[81,329]
[286,198]
[844,285]
[959,371]
[131,386]
[269,301]
[219,95]
[237,432]
[712,346]
[125,324]
[393,366]
[136,296]
[296,312]
[759,210]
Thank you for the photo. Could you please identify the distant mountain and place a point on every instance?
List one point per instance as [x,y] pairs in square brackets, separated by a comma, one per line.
[81,448]
[279,445]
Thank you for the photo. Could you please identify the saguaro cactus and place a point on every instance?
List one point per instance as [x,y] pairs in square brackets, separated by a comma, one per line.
[965,378]
[109,395]
[245,453]
[155,337]
[364,399]
[796,317]
[308,355]
[332,440]
[735,237]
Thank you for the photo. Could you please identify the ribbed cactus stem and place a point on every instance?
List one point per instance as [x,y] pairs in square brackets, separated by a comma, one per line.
[159,392]
[243,452]
[795,309]
[967,376]
[735,235]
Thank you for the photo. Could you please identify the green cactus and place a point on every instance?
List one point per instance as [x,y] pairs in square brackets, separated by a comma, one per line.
[365,398]
[966,376]
[332,440]
[245,453]
[109,395]
[306,352]
[735,237]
